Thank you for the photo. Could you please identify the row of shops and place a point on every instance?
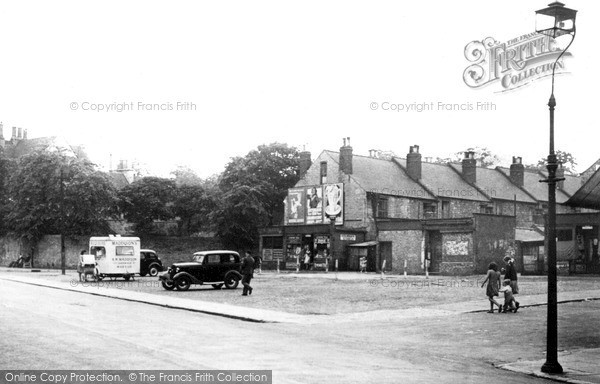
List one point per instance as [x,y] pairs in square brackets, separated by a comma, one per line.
[440,247]
[406,215]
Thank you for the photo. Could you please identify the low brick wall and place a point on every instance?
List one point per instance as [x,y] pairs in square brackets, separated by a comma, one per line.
[46,253]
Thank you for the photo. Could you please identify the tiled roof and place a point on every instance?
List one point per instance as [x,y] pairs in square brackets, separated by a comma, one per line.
[50,143]
[443,181]
[497,185]
[383,176]
[571,183]
[389,176]
[118,180]
[531,183]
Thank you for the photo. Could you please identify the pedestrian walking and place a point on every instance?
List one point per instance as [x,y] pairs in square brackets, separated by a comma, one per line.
[247,273]
[493,286]
[510,304]
[511,274]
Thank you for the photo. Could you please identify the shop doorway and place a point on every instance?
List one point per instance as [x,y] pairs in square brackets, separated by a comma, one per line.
[587,248]
[434,250]
[385,252]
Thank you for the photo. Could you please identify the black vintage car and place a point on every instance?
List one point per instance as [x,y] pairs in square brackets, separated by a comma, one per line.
[217,268]
[150,264]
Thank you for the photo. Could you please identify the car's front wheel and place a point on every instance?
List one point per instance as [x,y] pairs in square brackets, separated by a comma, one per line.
[168,285]
[153,271]
[183,283]
[232,279]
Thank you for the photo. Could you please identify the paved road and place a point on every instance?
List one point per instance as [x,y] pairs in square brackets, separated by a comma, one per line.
[45,328]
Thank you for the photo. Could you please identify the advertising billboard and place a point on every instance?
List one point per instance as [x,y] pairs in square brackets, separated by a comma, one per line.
[294,207]
[315,204]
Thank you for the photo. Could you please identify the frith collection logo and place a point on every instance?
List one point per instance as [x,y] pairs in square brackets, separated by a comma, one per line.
[512,64]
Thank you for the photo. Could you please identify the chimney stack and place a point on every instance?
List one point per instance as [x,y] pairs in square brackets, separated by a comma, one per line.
[517,171]
[469,167]
[560,173]
[1,135]
[305,162]
[14,134]
[20,135]
[413,163]
[346,157]
[25,134]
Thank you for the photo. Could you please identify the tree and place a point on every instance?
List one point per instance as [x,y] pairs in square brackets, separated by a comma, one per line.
[6,168]
[252,191]
[565,158]
[485,157]
[193,206]
[52,193]
[184,175]
[146,200]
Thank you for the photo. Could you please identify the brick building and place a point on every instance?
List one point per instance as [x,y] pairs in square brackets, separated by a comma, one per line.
[20,145]
[453,218]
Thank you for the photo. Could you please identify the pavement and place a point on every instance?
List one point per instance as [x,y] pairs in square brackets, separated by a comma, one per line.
[580,366]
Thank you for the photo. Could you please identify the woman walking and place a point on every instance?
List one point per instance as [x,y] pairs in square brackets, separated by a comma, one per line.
[511,274]
[493,287]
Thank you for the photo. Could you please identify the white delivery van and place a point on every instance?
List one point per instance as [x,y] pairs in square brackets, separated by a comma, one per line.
[116,256]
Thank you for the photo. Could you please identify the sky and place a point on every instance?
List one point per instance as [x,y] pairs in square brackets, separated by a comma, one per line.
[306,73]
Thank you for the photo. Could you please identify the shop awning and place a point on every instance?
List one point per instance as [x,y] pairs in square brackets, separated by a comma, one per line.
[365,244]
[528,235]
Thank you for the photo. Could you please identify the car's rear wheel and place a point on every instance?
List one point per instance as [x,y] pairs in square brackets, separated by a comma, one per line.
[183,283]
[153,271]
[168,285]
[217,286]
[232,280]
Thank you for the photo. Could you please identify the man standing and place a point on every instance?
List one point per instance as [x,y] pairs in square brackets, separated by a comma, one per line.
[247,273]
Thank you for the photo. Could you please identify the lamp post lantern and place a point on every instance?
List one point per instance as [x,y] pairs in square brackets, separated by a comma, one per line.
[554,21]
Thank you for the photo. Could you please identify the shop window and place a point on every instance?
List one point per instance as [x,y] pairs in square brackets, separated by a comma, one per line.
[272,247]
[486,208]
[382,207]
[323,172]
[429,210]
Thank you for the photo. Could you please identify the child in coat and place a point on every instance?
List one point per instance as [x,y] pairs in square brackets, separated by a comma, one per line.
[493,287]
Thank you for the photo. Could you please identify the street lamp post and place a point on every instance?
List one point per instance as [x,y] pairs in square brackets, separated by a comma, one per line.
[63,257]
[554,21]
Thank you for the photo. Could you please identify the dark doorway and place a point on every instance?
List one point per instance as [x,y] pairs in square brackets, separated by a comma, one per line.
[385,249]
[434,250]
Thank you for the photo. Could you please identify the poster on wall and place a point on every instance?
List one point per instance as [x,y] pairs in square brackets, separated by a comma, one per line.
[314,205]
[295,207]
[334,202]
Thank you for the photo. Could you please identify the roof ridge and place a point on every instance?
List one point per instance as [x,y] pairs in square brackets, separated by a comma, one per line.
[474,185]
